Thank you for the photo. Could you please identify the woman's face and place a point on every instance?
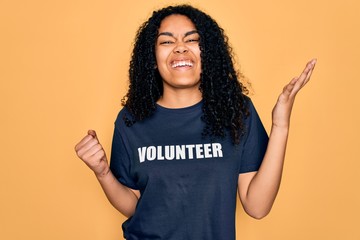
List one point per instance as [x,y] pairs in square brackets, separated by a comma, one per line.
[178,53]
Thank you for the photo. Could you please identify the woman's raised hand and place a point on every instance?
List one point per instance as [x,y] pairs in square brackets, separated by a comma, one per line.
[92,153]
[282,110]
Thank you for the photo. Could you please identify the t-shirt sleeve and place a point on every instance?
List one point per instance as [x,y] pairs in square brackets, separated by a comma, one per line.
[120,160]
[255,142]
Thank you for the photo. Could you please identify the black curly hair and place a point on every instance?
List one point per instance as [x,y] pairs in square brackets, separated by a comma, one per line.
[224,101]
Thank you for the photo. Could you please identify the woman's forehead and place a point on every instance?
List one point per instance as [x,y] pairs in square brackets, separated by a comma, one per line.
[175,23]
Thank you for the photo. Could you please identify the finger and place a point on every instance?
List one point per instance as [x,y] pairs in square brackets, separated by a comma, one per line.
[297,86]
[100,155]
[307,79]
[290,86]
[83,141]
[304,77]
[93,134]
[305,73]
[92,151]
[85,148]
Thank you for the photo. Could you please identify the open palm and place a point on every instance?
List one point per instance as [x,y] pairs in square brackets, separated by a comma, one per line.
[282,110]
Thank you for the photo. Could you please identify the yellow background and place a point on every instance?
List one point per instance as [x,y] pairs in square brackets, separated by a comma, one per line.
[63,70]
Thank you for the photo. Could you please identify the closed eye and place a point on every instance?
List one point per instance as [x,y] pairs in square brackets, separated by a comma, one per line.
[192,40]
[166,42]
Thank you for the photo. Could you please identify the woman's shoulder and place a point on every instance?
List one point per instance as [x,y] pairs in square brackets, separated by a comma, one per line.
[121,116]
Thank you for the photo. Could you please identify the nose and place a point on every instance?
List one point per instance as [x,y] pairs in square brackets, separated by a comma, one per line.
[180,48]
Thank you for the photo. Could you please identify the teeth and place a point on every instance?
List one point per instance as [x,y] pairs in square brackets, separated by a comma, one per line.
[182,64]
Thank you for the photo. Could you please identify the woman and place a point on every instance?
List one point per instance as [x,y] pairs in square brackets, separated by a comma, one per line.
[188,139]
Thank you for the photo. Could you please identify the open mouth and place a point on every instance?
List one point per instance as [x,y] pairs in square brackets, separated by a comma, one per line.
[182,63]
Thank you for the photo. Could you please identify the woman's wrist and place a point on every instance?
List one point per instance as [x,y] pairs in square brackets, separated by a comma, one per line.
[284,129]
[103,174]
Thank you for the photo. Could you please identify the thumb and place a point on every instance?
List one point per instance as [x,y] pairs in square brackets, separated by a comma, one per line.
[93,134]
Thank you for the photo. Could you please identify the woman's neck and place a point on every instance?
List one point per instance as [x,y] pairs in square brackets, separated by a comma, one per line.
[179,99]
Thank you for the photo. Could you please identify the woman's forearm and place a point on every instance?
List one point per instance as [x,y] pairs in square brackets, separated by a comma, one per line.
[120,196]
[264,186]
[90,151]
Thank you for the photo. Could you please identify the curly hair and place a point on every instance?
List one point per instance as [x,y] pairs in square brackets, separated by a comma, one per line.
[224,102]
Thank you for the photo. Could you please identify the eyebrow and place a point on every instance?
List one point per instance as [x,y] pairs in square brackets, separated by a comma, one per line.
[172,35]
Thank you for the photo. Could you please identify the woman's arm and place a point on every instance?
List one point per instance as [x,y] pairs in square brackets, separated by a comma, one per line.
[92,153]
[258,190]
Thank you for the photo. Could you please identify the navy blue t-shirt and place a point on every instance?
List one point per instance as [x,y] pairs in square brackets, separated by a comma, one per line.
[188,183]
